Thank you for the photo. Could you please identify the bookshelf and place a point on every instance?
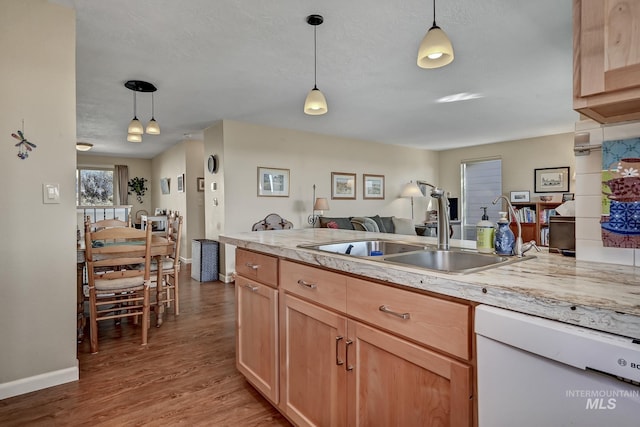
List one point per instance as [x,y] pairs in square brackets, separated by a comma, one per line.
[534,221]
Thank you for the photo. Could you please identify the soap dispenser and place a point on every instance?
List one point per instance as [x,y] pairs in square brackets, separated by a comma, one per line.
[485,234]
[505,239]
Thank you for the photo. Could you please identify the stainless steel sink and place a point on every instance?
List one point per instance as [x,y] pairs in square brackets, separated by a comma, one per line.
[366,248]
[452,261]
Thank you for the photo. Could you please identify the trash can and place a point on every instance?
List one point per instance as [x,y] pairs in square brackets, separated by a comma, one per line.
[204,260]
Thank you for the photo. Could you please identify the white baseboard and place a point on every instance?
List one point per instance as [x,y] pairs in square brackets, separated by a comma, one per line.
[38,382]
[225,278]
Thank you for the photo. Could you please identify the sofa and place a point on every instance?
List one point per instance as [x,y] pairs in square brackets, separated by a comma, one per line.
[376,223]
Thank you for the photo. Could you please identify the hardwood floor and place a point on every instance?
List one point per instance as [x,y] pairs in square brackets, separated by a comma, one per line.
[185,375]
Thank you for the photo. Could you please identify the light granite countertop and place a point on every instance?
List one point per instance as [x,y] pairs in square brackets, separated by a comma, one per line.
[600,296]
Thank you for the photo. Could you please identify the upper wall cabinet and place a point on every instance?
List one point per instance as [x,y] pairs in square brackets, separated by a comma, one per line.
[606,59]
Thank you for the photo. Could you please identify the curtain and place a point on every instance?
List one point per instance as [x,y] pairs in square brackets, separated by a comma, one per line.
[120,184]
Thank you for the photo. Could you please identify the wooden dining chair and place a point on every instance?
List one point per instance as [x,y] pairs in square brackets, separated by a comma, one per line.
[118,264]
[168,291]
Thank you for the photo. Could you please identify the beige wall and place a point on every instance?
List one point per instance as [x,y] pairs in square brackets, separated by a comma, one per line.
[519,159]
[183,158]
[38,251]
[137,168]
[310,159]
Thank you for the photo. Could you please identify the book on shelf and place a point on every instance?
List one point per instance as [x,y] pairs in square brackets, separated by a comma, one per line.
[545,214]
[526,215]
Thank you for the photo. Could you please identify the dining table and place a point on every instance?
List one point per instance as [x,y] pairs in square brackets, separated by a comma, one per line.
[160,246]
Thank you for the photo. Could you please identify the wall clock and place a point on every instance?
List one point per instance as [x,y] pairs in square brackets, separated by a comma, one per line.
[212,163]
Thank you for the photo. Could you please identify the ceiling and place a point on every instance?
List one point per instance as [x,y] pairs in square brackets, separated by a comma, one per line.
[252,61]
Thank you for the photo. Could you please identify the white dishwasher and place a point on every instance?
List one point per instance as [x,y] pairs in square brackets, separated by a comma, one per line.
[537,372]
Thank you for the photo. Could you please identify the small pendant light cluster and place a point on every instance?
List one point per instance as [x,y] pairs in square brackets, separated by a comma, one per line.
[315,104]
[135,129]
[435,50]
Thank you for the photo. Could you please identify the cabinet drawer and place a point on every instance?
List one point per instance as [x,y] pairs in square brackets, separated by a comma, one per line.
[259,267]
[320,286]
[437,323]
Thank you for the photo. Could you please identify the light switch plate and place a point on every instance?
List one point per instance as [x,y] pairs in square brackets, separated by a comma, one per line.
[50,193]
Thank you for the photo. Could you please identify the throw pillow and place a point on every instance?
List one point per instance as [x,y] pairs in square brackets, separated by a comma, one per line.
[378,221]
[366,224]
[343,222]
[403,226]
[388,224]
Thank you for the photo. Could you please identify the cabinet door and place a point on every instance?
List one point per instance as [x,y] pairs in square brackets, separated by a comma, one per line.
[392,382]
[257,335]
[313,380]
[607,59]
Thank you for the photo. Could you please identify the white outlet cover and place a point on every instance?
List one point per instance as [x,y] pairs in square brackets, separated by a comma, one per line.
[50,193]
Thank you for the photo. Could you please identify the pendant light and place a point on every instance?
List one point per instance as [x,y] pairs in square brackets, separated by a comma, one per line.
[135,127]
[435,50]
[134,137]
[315,104]
[153,128]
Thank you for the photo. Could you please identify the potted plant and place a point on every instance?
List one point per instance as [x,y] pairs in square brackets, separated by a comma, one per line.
[137,187]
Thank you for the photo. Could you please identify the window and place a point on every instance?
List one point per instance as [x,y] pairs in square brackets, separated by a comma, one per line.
[481,183]
[94,187]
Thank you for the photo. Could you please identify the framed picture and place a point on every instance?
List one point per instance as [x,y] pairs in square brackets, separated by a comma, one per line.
[567,196]
[551,180]
[520,197]
[273,182]
[343,185]
[181,183]
[372,186]
[201,184]
[164,185]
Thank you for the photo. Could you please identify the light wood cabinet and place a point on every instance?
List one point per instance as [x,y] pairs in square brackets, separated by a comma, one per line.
[393,382]
[353,369]
[257,348]
[312,371]
[606,45]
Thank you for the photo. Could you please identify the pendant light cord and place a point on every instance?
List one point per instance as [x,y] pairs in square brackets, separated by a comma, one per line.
[152,112]
[315,58]
[135,115]
[434,13]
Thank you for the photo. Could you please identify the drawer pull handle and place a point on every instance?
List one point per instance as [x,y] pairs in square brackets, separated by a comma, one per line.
[253,266]
[307,284]
[252,288]
[338,361]
[348,343]
[403,316]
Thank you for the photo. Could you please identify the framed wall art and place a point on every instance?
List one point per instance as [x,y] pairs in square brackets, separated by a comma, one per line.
[551,180]
[520,196]
[273,182]
[164,185]
[180,183]
[343,185]
[372,186]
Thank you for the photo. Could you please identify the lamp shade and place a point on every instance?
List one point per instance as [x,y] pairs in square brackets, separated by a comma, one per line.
[315,104]
[133,137]
[435,49]
[135,127]
[411,190]
[153,128]
[83,146]
[321,204]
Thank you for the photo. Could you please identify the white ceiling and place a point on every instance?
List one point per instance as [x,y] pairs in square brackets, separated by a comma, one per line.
[252,61]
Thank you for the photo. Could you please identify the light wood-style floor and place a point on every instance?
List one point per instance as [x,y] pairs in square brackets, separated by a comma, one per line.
[186,374]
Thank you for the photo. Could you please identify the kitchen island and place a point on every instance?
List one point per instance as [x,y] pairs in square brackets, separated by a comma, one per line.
[386,344]
[600,296]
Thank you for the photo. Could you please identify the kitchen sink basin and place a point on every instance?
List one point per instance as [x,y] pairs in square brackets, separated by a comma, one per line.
[452,261]
[366,248]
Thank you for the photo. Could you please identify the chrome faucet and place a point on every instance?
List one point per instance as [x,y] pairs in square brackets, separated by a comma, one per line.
[443,215]
[517,249]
